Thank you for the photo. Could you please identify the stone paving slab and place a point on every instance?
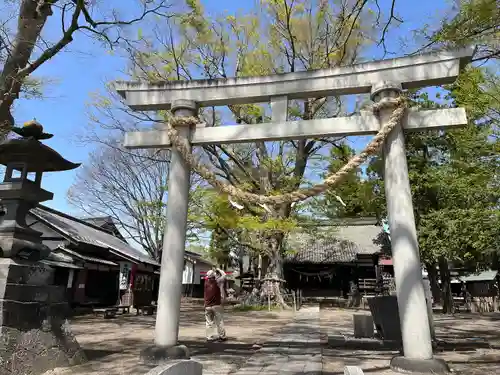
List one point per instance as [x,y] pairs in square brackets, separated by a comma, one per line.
[473,358]
[295,350]
[218,366]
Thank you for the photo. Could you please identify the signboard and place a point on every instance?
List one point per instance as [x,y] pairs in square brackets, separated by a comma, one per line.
[125,269]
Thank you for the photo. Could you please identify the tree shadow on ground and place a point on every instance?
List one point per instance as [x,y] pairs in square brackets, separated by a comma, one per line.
[476,362]
[201,347]
[453,337]
[190,316]
[443,344]
[341,372]
[492,316]
[461,346]
[123,346]
[97,354]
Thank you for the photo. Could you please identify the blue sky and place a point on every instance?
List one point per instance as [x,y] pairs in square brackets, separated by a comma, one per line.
[86,66]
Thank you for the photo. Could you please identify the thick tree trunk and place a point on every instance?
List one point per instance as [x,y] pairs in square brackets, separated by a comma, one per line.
[433,281]
[273,285]
[444,271]
[274,278]
[275,266]
[495,262]
[32,17]
[251,264]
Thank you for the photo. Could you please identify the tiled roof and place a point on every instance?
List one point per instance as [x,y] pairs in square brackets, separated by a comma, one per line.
[98,221]
[333,245]
[61,264]
[80,231]
[88,258]
[60,260]
[105,223]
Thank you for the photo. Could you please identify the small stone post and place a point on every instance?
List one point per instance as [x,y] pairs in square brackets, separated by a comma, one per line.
[363,325]
[417,345]
[172,261]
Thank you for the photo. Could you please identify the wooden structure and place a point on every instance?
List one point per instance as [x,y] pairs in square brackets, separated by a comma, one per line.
[325,265]
[106,224]
[479,291]
[98,268]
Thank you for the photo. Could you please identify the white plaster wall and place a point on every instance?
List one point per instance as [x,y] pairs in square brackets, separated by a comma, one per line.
[200,267]
[187,273]
[196,269]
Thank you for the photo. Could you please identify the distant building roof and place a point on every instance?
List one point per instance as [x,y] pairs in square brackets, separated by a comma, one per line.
[84,232]
[481,276]
[340,244]
[105,223]
[98,221]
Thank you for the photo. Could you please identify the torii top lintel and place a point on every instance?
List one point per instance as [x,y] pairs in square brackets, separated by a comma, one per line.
[435,68]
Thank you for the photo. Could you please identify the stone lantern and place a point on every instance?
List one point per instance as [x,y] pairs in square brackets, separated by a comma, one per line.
[33,310]
[19,193]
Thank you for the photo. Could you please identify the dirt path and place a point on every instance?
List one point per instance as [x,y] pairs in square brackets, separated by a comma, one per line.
[113,346]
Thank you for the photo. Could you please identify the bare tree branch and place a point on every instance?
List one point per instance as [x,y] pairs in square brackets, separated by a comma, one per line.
[392,17]
[32,17]
[129,187]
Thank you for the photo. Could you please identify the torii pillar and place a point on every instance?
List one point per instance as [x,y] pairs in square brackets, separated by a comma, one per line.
[172,259]
[415,329]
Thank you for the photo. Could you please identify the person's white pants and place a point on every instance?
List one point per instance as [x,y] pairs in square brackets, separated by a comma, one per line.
[214,317]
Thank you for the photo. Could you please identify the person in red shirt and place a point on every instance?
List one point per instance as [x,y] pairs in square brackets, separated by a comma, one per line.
[214,296]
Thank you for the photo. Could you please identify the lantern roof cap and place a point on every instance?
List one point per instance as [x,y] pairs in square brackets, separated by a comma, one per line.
[33,156]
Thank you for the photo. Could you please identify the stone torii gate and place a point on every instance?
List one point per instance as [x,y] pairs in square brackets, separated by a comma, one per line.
[383,79]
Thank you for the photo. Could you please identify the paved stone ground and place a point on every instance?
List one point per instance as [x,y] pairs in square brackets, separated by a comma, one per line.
[277,343]
[295,350]
[473,344]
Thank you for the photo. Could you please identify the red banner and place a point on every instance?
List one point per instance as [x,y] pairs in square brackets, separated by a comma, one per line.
[132,275]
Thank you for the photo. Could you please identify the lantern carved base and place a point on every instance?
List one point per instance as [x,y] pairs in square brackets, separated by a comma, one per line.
[35,335]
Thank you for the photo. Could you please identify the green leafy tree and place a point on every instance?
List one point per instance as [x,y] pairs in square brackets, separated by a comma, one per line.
[475,22]
[355,197]
[234,231]
[454,181]
[276,37]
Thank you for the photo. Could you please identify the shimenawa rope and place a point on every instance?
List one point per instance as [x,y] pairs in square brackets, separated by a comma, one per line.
[399,105]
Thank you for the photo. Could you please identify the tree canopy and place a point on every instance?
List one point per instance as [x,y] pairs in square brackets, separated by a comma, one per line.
[454,174]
